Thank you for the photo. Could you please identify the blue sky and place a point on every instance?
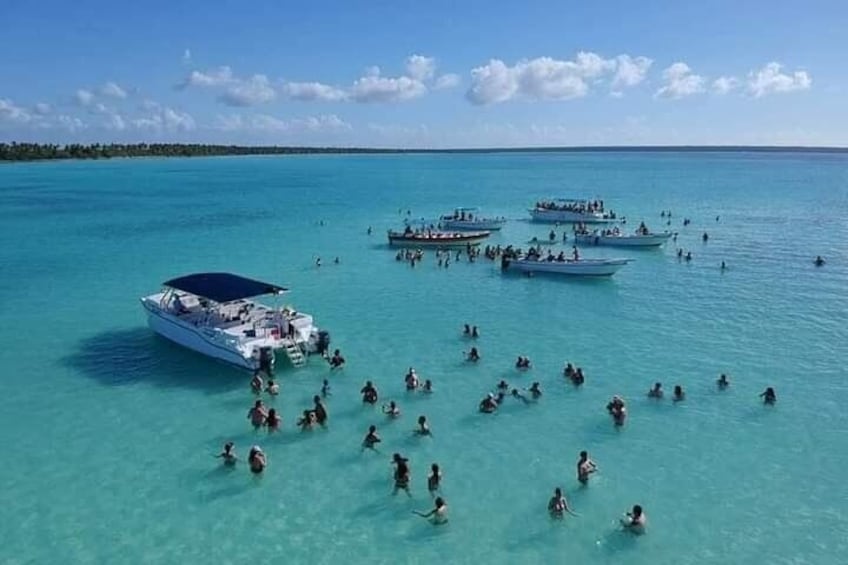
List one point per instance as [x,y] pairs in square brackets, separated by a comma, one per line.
[425,74]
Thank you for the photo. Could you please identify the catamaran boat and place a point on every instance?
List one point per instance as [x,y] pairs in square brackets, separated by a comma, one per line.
[572,267]
[469,219]
[435,238]
[213,314]
[571,210]
[618,239]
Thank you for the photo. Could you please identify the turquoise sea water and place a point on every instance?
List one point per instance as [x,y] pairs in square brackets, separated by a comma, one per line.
[108,431]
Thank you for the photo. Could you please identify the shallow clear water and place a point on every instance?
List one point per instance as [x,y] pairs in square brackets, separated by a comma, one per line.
[109,431]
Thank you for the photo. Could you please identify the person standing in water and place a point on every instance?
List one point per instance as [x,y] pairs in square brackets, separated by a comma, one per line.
[401,474]
[423,427]
[722,382]
[371,439]
[434,481]
[558,505]
[257,459]
[257,415]
[228,455]
[438,515]
[585,467]
[635,520]
[768,395]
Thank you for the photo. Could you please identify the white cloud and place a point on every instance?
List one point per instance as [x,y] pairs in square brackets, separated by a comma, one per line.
[264,123]
[255,90]
[313,91]
[113,90]
[449,80]
[376,88]
[215,77]
[42,108]
[83,97]
[630,71]
[115,122]
[166,119]
[546,78]
[680,81]
[187,57]
[723,85]
[70,123]
[150,106]
[10,112]
[770,79]
[421,68]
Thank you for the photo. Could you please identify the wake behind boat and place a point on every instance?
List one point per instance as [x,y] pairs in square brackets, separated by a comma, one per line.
[211,313]
[435,238]
[571,210]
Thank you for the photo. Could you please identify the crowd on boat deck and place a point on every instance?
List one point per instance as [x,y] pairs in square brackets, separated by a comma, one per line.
[583,207]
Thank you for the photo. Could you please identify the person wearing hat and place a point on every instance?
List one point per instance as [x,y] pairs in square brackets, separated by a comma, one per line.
[257,459]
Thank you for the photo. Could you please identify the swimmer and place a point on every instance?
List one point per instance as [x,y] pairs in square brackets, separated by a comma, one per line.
[488,404]
[578,378]
[467,330]
[474,332]
[391,410]
[568,371]
[257,459]
[705,237]
[336,261]
[438,515]
[228,455]
[273,388]
[819,261]
[635,521]
[256,383]
[371,439]
[337,361]
[519,396]
[427,387]
[318,262]
[435,479]
[558,505]
[257,414]
[306,421]
[401,474]
[320,410]
[369,393]
[768,395]
[679,395]
[723,266]
[722,382]
[585,467]
[656,392]
[272,421]
[535,390]
[411,380]
[503,385]
[688,256]
[473,355]
[423,428]
[325,389]
[369,230]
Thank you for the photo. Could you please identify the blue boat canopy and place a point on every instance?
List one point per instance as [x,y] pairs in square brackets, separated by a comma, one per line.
[222,287]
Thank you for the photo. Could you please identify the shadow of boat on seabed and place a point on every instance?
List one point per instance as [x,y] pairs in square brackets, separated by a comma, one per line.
[129,356]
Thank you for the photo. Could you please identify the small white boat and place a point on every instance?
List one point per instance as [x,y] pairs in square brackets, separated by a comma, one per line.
[623,240]
[469,219]
[212,313]
[435,238]
[571,210]
[579,267]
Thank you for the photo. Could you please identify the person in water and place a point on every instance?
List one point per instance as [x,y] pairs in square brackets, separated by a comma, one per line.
[617,410]
[337,361]
[325,389]
[558,505]
[722,382]
[474,332]
[438,515]
[434,481]
[535,391]
[272,421]
[427,387]
[320,410]
[679,395]
[578,378]
[272,388]
[473,355]
[392,410]
[257,415]
[688,256]
[306,421]
[256,383]
[369,393]
[723,266]
[488,404]
[411,379]
[401,474]
[656,392]
[568,371]
[518,396]
[768,395]
[585,467]
[423,428]
[635,520]
[819,261]
[228,455]
[705,237]
[467,330]
[503,385]
[257,459]
[575,255]
[371,439]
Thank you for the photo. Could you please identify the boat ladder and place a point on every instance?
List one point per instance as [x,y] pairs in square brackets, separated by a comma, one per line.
[294,352]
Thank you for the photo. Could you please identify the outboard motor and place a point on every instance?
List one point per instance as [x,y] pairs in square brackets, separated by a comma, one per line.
[266,360]
[323,343]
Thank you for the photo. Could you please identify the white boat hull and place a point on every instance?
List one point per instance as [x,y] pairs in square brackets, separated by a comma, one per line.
[582,267]
[469,238]
[473,225]
[202,340]
[567,216]
[632,240]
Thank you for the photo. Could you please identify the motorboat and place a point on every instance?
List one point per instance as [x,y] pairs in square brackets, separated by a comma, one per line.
[436,238]
[571,267]
[469,219]
[213,314]
[622,240]
[571,210]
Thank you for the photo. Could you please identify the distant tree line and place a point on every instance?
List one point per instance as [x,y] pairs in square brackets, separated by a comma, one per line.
[47,151]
